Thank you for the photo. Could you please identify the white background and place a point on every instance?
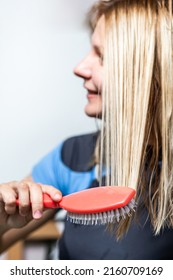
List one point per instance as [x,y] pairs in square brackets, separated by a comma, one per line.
[41,101]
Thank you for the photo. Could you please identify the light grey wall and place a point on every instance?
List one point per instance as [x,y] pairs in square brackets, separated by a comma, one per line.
[41,101]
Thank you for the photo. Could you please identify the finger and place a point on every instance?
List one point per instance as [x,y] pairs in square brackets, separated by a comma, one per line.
[24,199]
[9,197]
[36,198]
[3,215]
[7,186]
[2,208]
[55,194]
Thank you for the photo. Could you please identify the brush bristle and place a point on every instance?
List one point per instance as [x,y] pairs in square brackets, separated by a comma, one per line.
[102,218]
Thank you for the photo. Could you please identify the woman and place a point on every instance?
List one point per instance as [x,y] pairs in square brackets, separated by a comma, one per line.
[128,78]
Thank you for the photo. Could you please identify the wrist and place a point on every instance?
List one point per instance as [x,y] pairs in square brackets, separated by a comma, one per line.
[3,229]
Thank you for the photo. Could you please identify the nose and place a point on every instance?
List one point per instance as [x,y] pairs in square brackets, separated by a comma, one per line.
[83,69]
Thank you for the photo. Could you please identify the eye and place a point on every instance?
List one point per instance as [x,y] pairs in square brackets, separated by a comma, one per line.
[99,54]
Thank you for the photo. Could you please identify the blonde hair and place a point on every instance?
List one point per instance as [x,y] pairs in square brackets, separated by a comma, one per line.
[137,113]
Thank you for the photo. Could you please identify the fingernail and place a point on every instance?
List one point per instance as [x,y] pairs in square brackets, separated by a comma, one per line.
[57,196]
[37,214]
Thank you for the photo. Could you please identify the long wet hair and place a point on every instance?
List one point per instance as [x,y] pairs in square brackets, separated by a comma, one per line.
[136,139]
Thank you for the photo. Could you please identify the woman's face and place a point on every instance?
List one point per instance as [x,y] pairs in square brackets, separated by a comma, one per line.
[91,70]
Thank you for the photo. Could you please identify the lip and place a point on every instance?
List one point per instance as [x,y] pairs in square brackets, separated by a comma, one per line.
[91,95]
[91,91]
[90,88]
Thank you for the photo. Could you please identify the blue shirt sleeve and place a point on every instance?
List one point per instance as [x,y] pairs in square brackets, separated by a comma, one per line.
[50,170]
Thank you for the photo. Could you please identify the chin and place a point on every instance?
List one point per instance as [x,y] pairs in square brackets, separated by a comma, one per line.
[91,111]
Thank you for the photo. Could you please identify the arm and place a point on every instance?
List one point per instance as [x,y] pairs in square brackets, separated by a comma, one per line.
[10,236]
[17,222]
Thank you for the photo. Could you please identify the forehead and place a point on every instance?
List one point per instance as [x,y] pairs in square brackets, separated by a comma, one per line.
[99,32]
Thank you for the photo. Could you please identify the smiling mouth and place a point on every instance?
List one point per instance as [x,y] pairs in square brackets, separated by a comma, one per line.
[90,92]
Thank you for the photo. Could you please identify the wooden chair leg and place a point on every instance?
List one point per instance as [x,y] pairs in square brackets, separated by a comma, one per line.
[15,252]
[46,233]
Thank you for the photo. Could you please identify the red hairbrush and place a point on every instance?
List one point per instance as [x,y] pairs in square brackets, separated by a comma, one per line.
[99,205]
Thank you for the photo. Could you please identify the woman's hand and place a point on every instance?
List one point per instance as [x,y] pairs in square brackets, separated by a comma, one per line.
[30,195]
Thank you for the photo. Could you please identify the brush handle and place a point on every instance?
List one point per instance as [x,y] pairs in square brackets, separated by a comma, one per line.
[47,202]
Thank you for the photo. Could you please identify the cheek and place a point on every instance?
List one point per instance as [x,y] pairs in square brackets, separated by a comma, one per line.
[98,79]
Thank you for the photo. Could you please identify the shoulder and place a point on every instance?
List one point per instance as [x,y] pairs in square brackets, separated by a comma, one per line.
[77,151]
[81,140]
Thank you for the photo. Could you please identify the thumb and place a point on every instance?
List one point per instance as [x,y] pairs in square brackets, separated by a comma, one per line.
[54,193]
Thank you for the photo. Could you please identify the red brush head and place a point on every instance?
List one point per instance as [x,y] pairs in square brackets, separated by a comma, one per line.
[98,199]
